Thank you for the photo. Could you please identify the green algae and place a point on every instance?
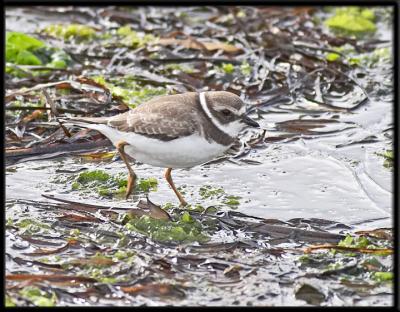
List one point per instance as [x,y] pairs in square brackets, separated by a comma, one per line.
[179,67]
[383,276]
[133,39]
[168,206]
[91,176]
[232,200]
[354,268]
[30,226]
[352,21]
[197,208]
[347,54]
[22,49]
[362,242]
[147,185]
[245,68]
[228,68]
[186,217]
[388,156]
[371,59]
[59,59]
[185,229]
[51,259]
[70,31]
[125,255]
[9,222]
[355,242]
[381,55]
[305,259]
[331,57]
[217,195]
[209,192]
[108,185]
[9,302]
[38,297]
[129,90]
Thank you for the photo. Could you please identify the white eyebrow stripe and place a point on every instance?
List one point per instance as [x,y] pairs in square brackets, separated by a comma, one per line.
[204,106]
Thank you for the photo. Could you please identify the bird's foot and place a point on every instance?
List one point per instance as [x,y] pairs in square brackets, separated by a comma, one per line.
[183,203]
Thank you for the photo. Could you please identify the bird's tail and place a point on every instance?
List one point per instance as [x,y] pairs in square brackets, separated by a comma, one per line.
[96,123]
[85,122]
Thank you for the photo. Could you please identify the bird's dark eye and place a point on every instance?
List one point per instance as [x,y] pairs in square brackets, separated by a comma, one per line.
[226,112]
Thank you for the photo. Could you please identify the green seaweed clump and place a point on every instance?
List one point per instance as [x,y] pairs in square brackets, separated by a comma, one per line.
[147,185]
[363,243]
[22,49]
[91,176]
[129,90]
[245,68]
[362,269]
[232,200]
[356,242]
[38,297]
[371,59]
[31,226]
[9,302]
[228,68]
[345,50]
[383,276]
[389,158]
[208,192]
[352,57]
[133,39]
[331,57]
[67,32]
[352,20]
[185,229]
[380,55]
[108,185]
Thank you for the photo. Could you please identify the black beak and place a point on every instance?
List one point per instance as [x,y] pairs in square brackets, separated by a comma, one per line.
[250,122]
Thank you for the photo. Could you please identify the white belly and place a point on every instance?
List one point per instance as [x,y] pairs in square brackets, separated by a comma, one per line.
[179,153]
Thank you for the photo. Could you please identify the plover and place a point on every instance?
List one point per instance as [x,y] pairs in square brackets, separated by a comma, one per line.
[173,131]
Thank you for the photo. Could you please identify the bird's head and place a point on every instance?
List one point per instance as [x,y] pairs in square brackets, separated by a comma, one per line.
[226,111]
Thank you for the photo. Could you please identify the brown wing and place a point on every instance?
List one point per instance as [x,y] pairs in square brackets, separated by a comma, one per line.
[165,118]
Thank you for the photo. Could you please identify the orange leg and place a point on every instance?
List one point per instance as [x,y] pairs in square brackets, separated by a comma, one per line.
[132,176]
[171,183]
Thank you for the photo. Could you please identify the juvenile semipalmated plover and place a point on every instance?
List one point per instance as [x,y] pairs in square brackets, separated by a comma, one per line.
[174,131]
